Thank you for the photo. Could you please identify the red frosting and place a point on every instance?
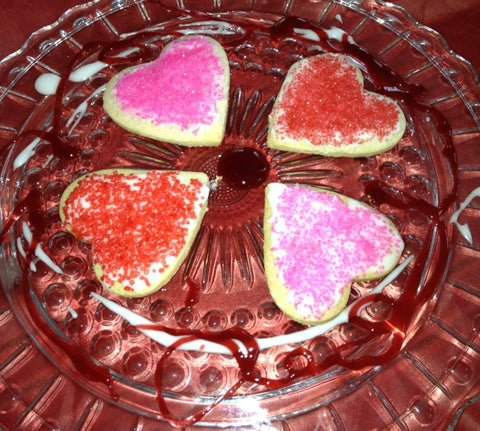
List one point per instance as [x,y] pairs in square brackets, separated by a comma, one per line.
[132,221]
[325,99]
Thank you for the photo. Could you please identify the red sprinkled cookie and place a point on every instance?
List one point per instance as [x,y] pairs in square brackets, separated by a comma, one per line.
[322,108]
[140,224]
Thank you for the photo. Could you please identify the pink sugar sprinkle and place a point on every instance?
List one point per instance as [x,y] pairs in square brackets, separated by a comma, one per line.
[181,87]
[320,252]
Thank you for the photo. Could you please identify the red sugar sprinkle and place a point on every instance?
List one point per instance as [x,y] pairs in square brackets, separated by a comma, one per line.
[132,220]
[325,99]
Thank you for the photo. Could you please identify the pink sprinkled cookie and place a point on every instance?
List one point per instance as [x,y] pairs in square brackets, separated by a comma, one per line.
[322,108]
[181,97]
[317,243]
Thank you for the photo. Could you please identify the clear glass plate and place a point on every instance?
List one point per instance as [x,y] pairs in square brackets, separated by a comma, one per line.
[436,372]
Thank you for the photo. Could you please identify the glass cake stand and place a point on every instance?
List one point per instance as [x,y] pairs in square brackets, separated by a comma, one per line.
[427,385]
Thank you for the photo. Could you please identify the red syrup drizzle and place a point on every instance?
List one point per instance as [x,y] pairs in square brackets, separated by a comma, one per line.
[246,363]
[193,294]
[79,359]
[32,204]
[382,81]
[243,168]
[414,295]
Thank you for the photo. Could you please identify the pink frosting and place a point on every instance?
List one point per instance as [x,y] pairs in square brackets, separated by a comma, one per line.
[323,245]
[181,87]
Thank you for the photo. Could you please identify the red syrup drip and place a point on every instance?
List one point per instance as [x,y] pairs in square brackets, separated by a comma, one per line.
[33,203]
[79,359]
[243,168]
[30,202]
[246,363]
[193,294]
[382,80]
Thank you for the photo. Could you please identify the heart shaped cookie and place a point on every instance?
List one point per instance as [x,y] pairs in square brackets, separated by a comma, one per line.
[140,224]
[181,97]
[317,243]
[322,108]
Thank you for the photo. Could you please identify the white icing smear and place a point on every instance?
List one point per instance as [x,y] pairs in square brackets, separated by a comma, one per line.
[27,234]
[25,154]
[339,18]
[127,52]
[45,258]
[338,34]
[263,343]
[307,34]
[332,33]
[86,71]
[464,228]
[72,312]
[47,83]
[81,109]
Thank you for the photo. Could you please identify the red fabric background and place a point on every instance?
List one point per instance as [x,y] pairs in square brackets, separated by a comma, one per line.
[457,20]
